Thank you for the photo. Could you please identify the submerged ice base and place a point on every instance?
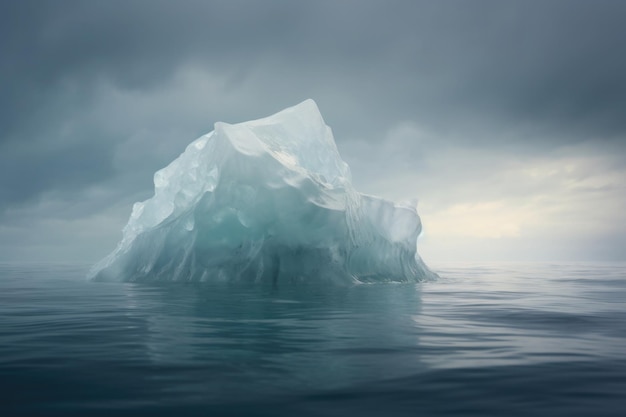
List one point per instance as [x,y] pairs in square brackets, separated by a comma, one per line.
[265,200]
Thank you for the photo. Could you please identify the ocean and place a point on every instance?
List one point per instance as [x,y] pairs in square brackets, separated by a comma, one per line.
[482,340]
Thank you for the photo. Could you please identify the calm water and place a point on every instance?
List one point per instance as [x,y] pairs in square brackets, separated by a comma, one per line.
[488,340]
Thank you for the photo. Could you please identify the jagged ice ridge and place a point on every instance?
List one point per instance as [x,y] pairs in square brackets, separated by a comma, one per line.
[266,200]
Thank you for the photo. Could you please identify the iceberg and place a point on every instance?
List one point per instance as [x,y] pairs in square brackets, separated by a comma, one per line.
[267,200]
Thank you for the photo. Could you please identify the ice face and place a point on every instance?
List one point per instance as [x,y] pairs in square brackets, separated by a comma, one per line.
[266,200]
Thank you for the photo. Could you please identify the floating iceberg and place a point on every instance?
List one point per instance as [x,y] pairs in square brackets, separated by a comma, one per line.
[266,200]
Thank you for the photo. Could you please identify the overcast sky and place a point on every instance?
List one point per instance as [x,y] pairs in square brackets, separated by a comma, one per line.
[506,119]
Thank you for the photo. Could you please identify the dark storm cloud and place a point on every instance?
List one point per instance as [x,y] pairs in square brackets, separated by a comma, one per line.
[537,73]
[62,167]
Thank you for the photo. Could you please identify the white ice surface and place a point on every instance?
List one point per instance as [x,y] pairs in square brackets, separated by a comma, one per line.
[265,200]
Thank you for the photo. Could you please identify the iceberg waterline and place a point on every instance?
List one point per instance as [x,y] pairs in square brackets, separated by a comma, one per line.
[265,200]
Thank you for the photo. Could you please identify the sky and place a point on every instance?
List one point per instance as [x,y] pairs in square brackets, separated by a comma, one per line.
[505,119]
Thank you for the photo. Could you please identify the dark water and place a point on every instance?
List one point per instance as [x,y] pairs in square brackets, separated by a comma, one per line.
[488,340]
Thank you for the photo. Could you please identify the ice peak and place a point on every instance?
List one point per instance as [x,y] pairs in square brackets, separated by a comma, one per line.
[306,110]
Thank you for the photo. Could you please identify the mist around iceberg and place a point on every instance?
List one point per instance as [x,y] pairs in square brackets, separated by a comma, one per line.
[267,200]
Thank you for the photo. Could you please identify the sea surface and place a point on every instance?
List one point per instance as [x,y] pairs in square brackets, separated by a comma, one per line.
[482,340]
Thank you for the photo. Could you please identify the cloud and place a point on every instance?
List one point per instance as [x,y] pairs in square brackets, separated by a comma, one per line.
[552,65]
[474,107]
